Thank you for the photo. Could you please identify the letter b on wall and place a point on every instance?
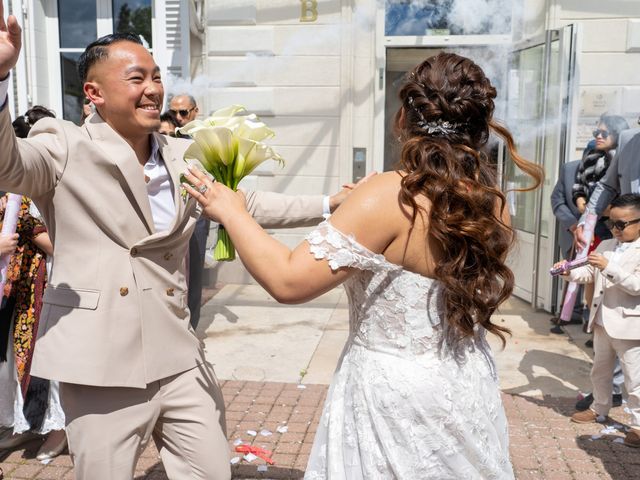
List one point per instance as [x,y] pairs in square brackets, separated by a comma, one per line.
[308,10]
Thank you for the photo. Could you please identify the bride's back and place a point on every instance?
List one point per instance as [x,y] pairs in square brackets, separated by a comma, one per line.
[442,214]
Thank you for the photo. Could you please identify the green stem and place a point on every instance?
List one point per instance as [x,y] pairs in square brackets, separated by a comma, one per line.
[224,250]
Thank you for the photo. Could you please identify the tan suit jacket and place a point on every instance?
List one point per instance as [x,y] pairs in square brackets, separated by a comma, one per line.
[115,310]
[616,291]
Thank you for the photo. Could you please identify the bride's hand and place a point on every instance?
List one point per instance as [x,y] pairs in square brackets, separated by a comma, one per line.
[218,201]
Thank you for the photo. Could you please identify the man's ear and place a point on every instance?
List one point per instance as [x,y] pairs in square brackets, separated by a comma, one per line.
[93,92]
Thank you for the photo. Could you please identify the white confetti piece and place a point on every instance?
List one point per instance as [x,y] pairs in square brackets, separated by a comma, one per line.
[282,429]
[265,433]
[263,468]
[619,440]
[596,437]
[237,442]
[302,387]
[46,462]
[253,433]
[609,430]
[600,418]
[235,460]
[626,410]
[250,457]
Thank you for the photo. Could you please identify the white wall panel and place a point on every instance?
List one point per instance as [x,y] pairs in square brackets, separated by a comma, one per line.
[305,131]
[609,68]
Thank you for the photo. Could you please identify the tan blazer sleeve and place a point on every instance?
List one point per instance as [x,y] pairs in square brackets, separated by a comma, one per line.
[276,210]
[31,166]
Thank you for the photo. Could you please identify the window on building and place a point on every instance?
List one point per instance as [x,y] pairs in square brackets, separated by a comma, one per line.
[447,17]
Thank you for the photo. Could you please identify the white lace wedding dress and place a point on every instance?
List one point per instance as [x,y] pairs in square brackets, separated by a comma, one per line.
[399,405]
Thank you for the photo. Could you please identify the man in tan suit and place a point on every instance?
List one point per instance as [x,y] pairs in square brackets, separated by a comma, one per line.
[114,328]
[614,269]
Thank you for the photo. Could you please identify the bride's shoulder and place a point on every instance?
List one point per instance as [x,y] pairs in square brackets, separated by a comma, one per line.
[375,198]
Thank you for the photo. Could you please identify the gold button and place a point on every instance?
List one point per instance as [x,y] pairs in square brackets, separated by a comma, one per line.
[168,256]
[124,291]
[170,292]
[134,251]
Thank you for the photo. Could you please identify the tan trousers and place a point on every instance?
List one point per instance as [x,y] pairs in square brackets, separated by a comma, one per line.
[605,351]
[109,427]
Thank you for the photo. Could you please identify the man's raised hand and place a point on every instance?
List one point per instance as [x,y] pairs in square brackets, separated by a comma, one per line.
[10,43]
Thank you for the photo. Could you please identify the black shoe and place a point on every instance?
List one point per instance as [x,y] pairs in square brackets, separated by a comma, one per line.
[585,403]
[589,343]
[555,320]
[616,400]
[575,320]
[582,405]
[557,329]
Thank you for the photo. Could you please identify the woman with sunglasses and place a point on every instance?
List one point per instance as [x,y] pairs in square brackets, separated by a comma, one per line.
[595,162]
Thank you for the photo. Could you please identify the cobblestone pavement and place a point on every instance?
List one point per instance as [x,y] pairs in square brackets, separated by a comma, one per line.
[544,444]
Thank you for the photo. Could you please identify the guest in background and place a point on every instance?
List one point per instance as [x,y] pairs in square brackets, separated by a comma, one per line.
[594,166]
[185,109]
[168,124]
[30,405]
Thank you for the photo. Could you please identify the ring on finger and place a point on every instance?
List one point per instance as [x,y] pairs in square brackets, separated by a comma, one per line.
[203,189]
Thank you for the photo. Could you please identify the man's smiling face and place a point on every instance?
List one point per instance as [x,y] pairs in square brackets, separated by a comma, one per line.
[127,87]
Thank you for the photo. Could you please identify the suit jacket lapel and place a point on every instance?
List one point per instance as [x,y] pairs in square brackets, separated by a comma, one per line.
[123,156]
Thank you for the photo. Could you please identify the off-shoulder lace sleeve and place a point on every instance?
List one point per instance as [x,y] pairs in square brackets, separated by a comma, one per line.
[341,250]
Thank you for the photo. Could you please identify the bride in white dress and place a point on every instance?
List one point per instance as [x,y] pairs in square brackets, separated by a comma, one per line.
[421,251]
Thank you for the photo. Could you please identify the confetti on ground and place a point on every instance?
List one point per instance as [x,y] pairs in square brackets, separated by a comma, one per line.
[282,429]
[619,440]
[235,460]
[237,442]
[601,418]
[265,433]
[250,457]
[626,410]
[253,433]
[596,437]
[609,430]
[302,387]
[263,468]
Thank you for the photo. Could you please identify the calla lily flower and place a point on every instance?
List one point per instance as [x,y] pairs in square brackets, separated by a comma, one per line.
[229,146]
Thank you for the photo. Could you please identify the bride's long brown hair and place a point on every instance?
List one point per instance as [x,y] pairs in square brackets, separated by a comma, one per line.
[444,123]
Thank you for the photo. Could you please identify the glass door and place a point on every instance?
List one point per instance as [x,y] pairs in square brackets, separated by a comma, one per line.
[538,107]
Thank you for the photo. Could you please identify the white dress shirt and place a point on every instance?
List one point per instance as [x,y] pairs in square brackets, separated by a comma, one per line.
[159,189]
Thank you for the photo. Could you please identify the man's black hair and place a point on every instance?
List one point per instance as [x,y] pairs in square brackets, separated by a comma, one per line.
[628,200]
[97,51]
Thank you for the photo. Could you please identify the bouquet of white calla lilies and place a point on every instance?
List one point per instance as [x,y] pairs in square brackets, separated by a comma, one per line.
[229,146]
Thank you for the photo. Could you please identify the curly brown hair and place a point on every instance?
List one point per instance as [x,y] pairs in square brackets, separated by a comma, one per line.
[444,123]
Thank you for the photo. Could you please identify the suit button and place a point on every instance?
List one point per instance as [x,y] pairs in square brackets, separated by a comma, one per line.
[170,292]
[168,256]
[595,305]
[124,291]
[134,251]
[601,292]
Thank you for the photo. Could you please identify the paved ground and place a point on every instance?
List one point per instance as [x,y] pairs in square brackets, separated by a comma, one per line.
[263,350]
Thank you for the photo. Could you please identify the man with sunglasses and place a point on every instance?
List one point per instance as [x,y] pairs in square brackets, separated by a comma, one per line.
[184,107]
[614,269]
